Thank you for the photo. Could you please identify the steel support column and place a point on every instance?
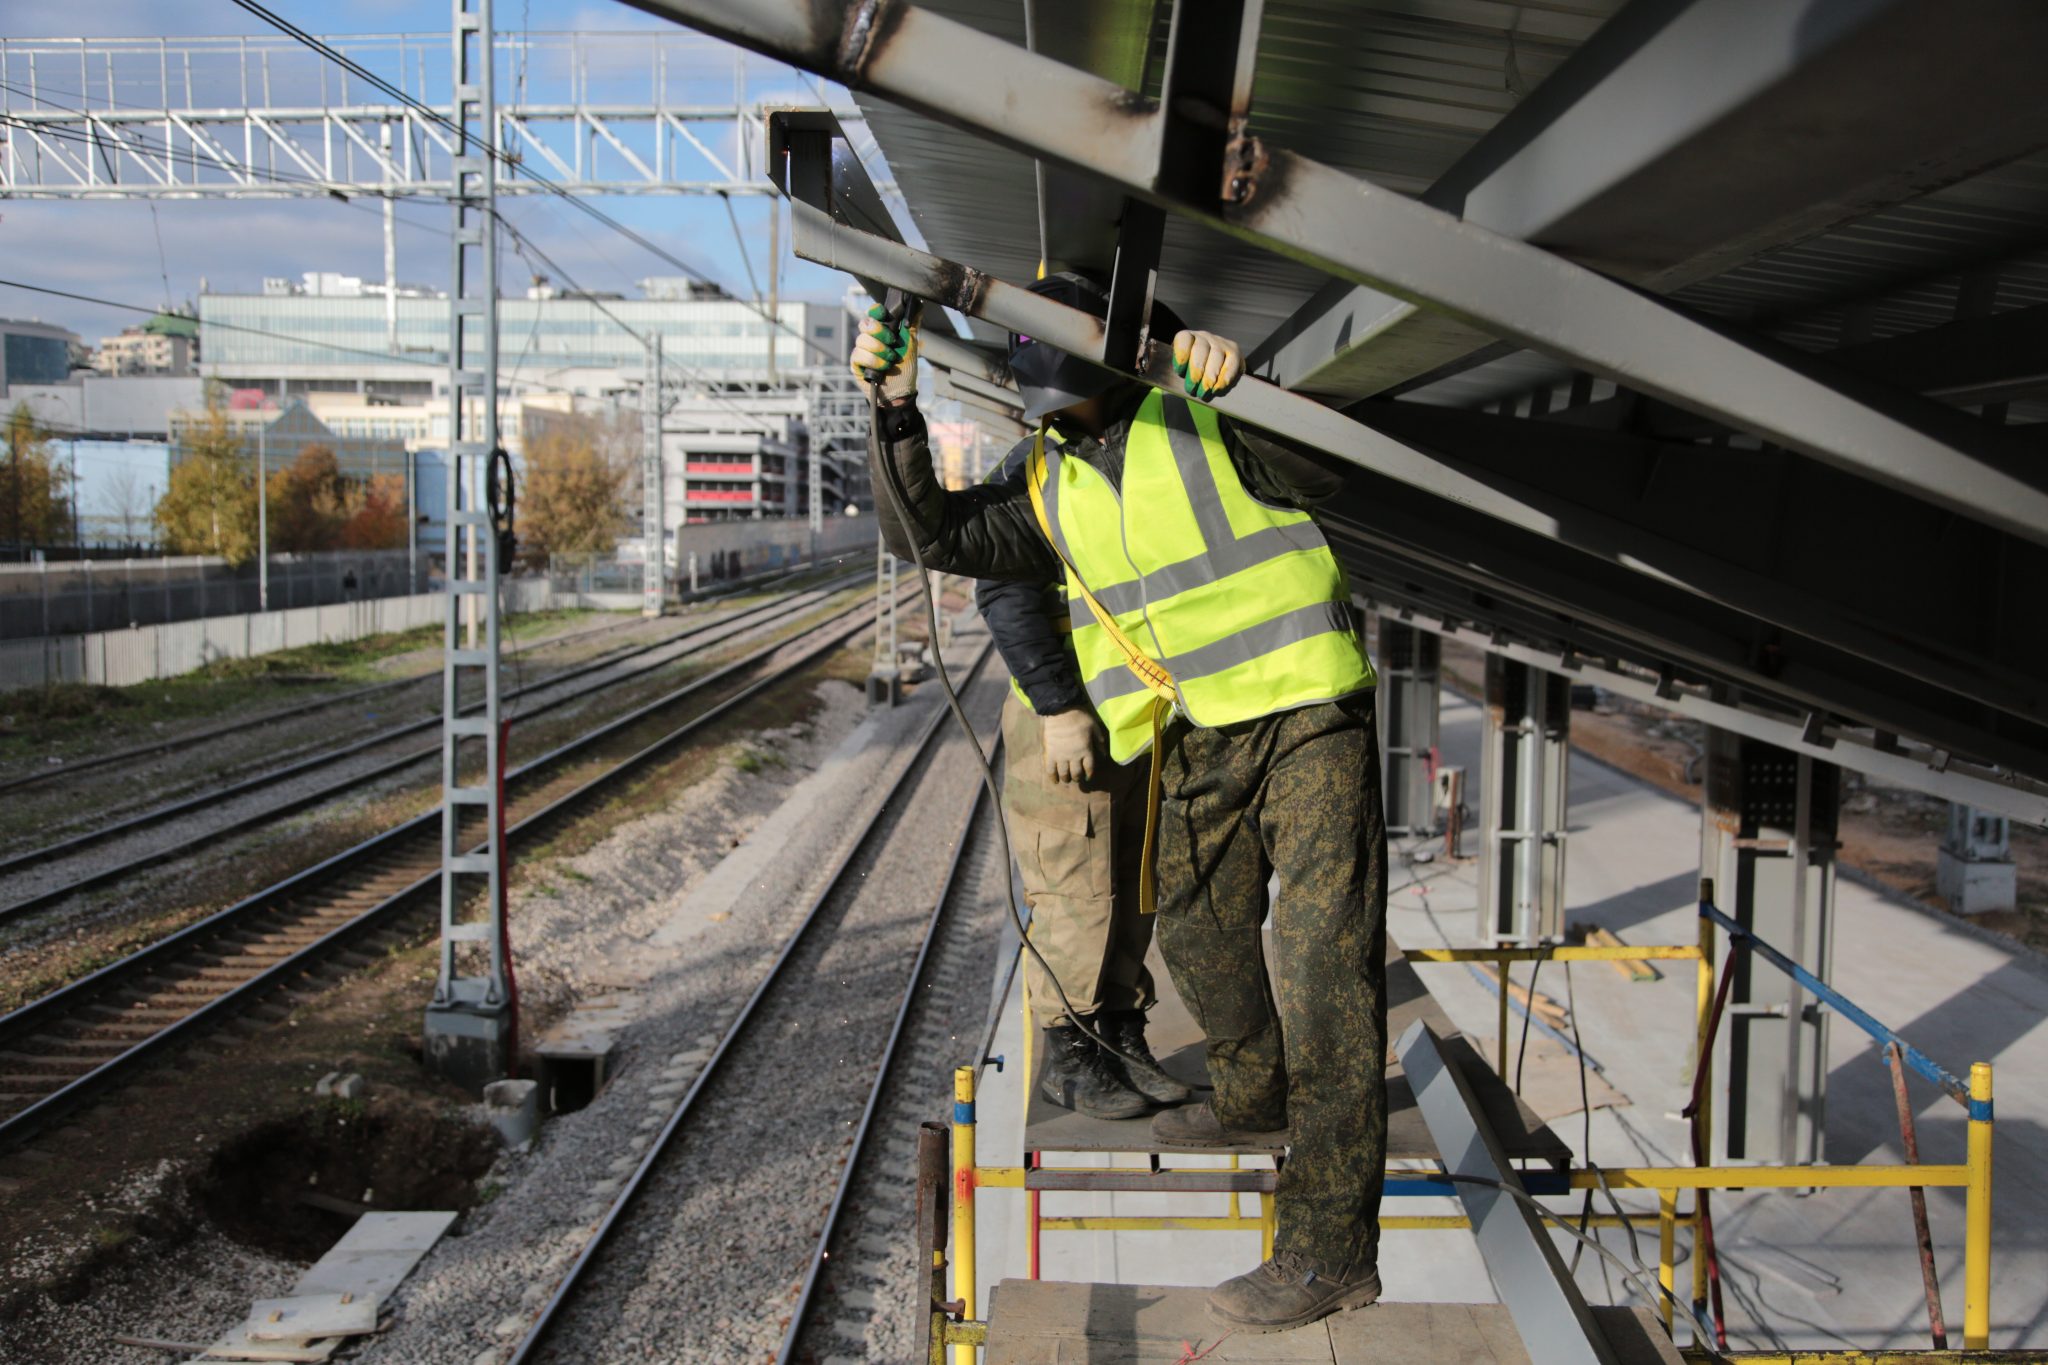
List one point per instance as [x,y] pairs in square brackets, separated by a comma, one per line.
[1410,663]
[1768,842]
[469,1026]
[1524,796]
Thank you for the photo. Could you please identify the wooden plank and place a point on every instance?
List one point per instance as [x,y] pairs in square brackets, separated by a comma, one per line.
[305,1316]
[1046,1322]
[1177,1041]
[375,1255]
[368,1263]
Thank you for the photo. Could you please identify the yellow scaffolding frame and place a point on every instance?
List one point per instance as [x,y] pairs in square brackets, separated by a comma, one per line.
[1973,1176]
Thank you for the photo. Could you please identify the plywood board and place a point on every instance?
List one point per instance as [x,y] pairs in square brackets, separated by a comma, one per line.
[312,1315]
[370,1261]
[1050,1323]
[1177,1040]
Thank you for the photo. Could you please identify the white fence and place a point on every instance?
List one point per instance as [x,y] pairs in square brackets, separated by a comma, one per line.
[118,658]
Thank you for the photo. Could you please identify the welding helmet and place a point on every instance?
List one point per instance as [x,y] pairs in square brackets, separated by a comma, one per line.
[1048,378]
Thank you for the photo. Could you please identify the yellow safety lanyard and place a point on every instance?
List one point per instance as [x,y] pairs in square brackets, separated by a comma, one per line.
[1149,671]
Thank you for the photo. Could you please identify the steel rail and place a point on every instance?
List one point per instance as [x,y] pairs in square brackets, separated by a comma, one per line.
[799,1315]
[160,814]
[70,769]
[565,1290]
[85,991]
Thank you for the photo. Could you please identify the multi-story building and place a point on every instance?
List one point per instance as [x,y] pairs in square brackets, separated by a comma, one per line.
[35,353]
[336,333]
[167,344]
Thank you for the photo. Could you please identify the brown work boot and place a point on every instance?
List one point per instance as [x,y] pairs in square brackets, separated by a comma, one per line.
[1080,1076]
[1196,1125]
[1289,1290]
[1125,1031]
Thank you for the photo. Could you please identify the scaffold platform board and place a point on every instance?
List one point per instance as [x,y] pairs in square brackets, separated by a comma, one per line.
[1038,1322]
[1177,1041]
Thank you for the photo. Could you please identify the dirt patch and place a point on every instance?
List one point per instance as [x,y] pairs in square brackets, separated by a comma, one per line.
[287,1186]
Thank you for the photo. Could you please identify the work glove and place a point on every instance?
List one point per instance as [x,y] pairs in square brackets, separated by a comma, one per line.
[1206,363]
[1069,738]
[886,353]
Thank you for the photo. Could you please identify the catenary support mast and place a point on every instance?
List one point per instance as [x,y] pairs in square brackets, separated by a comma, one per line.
[469,1027]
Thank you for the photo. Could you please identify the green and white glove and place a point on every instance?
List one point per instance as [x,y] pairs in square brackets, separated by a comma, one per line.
[886,354]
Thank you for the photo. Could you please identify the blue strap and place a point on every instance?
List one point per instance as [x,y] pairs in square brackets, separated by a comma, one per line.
[963,1111]
[1849,1010]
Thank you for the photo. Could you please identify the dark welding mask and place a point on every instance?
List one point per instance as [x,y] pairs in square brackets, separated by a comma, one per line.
[1048,378]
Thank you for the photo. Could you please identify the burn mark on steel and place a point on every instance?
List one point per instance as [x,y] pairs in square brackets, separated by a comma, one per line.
[957,286]
[1245,164]
[868,27]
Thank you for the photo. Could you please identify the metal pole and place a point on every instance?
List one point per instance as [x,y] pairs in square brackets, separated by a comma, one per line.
[774,281]
[412,523]
[653,515]
[390,247]
[1977,1216]
[470,1026]
[262,522]
[963,1201]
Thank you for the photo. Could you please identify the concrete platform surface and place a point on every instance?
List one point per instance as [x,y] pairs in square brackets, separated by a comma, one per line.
[1050,1323]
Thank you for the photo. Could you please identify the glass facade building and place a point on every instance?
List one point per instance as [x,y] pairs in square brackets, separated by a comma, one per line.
[315,337]
[34,353]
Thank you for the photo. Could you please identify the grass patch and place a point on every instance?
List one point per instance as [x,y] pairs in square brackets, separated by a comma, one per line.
[38,723]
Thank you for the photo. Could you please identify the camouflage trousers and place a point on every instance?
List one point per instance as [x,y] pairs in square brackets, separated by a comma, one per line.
[1296,794]
[1078,852]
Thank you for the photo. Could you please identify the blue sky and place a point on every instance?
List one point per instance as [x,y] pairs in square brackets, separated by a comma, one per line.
[109,248]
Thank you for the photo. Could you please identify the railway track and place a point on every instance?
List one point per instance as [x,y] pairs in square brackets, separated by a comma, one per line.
[701,637]
[62,1050]
[725,1103]
[863,1281]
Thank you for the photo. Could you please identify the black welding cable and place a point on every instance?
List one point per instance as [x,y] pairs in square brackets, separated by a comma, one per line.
[1639,1275]
[899,497]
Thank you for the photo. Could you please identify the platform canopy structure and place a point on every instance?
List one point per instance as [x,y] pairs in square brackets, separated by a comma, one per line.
[1693,347]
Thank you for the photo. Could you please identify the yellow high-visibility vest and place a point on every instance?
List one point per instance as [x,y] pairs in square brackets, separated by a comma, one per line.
[1184,588]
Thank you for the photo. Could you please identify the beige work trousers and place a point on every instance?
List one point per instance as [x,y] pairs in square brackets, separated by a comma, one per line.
[1078,851]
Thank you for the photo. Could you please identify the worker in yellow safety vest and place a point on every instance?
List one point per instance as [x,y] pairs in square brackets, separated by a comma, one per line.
[1216,638]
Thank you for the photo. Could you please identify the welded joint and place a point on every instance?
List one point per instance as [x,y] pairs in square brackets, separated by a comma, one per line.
[1245,162]
[867,27]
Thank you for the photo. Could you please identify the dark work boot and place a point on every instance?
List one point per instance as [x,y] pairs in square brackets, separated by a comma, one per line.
[1196,1125]
[1125,1030]
[1078,1076]
[1290,1290]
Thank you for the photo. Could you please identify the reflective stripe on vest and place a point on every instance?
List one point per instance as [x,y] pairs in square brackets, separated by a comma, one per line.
[1241,601]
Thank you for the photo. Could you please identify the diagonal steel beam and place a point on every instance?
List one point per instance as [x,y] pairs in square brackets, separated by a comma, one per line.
[1351,229]
[1606,537]
[1551,1315]
[1688,136]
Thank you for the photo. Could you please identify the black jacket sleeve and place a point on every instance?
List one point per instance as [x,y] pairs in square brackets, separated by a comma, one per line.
[987,531]
[1024,619]
[1277,469]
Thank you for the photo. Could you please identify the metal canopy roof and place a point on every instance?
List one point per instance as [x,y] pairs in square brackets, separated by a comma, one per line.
[1808,500]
